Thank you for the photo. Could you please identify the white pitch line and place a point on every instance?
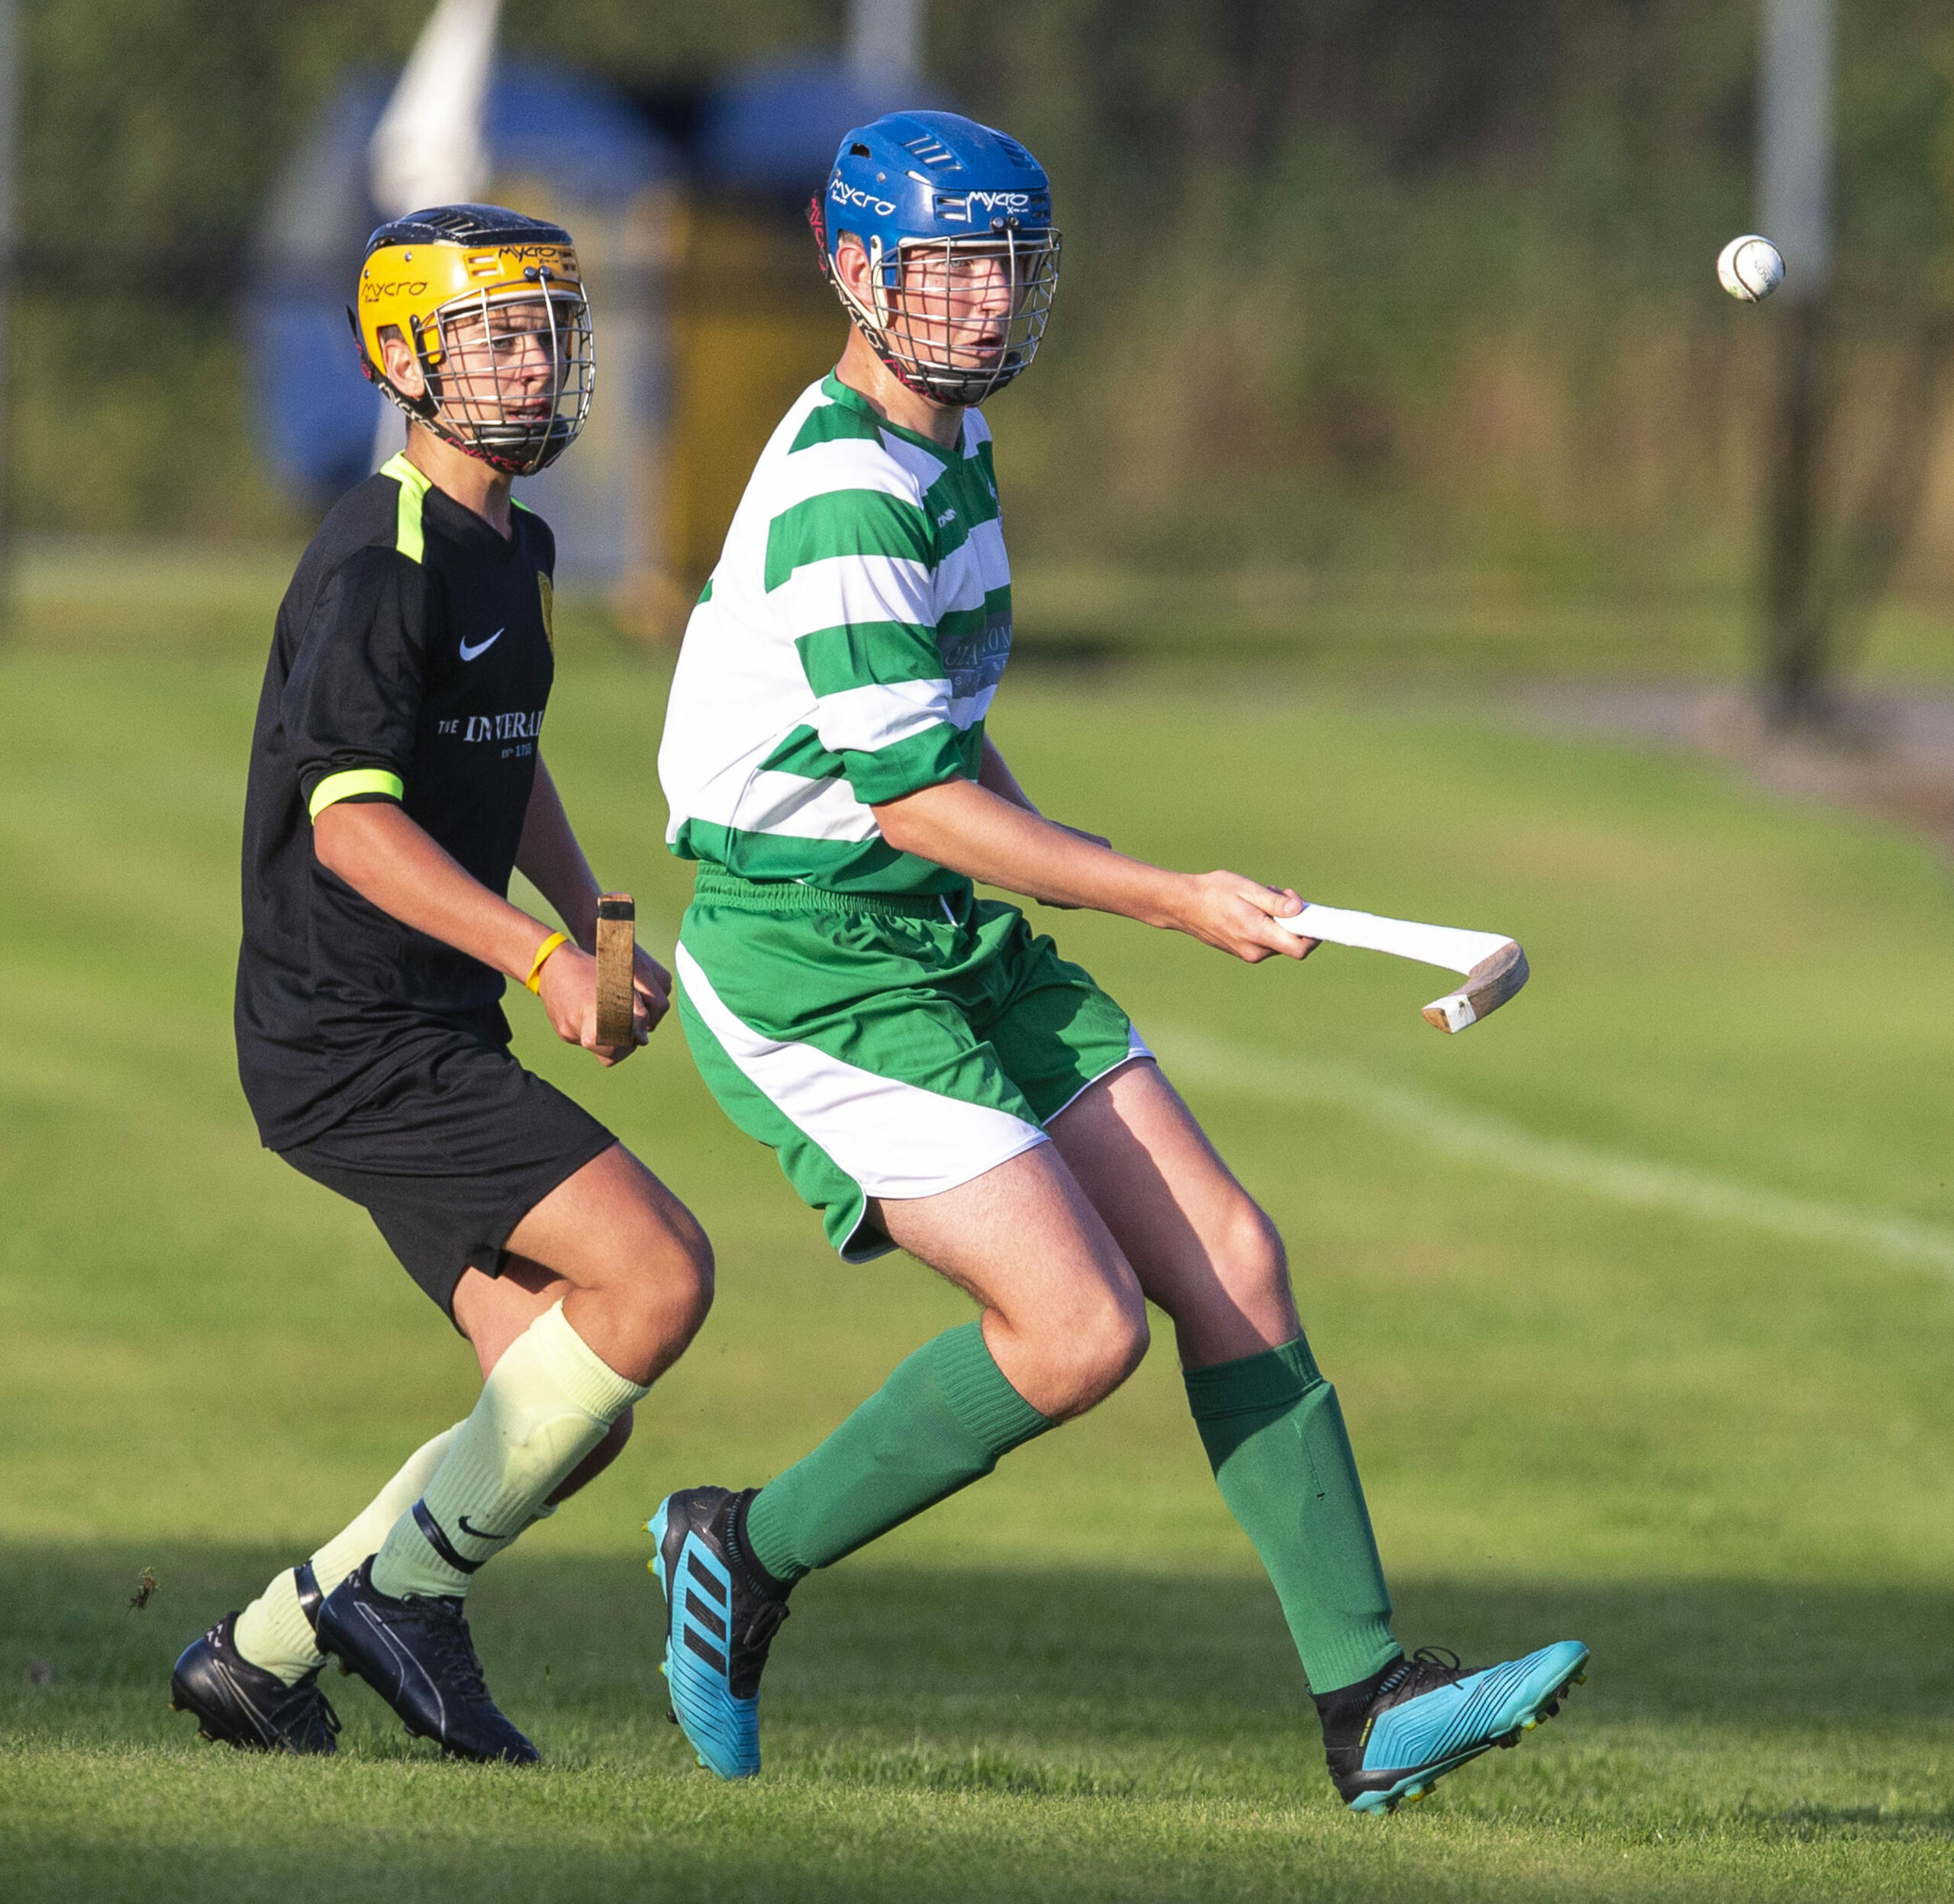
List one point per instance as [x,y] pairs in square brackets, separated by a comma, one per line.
[1204,1060]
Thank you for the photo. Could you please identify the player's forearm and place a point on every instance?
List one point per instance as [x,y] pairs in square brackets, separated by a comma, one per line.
[995,775]
[976,831]
[550,859]
[388,859]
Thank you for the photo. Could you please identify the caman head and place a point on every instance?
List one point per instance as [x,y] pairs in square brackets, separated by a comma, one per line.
[958,257]
[473,319]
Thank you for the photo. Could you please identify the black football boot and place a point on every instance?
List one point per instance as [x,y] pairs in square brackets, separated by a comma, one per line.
[417,1654]
[236,1703]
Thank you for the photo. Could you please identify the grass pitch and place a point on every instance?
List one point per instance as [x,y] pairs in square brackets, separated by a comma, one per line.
[1638,1297]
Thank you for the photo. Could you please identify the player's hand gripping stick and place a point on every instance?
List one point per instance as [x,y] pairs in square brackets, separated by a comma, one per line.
[1494,967]
[617,938]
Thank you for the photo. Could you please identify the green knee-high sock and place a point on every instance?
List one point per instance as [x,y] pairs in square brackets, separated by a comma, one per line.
[940,1423]
[1275,1439]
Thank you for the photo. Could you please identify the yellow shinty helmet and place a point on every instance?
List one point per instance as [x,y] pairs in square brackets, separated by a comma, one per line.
[432,273]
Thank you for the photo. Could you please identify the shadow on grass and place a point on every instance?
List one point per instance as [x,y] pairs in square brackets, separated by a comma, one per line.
[1027,1733]
[1144,1649]
[1816,1821]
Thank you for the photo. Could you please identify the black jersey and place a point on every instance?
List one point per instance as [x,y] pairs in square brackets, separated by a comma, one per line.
[412,661]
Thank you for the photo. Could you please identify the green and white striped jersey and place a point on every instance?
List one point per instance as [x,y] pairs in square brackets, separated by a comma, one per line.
[844,652]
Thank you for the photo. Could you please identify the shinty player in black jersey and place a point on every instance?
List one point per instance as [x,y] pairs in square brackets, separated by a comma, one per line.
[395,783]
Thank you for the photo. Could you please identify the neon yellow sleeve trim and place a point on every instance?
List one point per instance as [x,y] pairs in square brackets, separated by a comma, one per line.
[409,538]
[358,780]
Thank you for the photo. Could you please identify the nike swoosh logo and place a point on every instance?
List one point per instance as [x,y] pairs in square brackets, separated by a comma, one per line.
[475,1533]
[480,648]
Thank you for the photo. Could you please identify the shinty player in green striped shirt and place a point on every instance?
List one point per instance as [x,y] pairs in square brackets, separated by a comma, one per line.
[932,1076]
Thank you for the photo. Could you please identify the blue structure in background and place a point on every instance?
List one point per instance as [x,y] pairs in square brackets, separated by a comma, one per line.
[773,127]
[766,134]
[317,416]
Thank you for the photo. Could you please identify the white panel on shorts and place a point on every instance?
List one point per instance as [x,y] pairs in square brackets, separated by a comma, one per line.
[895,1139]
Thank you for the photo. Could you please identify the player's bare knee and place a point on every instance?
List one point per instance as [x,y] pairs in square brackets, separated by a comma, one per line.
[670,1285]
[1252,1260]
[1126,1345]
[689,1272]
[1094,1355]
[672,1272]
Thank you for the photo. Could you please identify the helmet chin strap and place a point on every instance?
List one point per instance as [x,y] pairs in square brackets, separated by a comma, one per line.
[428,412]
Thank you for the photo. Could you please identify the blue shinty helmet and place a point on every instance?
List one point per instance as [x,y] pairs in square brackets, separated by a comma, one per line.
[948,211]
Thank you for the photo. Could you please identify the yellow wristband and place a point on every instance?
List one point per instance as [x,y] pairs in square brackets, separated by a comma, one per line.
[534,980]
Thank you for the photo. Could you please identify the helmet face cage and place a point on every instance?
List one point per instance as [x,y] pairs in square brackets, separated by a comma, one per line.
[956,318]
[509,373]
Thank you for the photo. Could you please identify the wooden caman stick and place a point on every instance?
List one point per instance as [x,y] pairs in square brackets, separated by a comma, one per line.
[1494,967]
[617,939]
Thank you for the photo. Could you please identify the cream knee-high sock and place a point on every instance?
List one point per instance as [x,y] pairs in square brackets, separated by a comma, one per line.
[273,1632]
[546,1405]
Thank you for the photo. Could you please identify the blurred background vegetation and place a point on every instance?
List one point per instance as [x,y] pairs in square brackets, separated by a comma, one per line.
[1364,300]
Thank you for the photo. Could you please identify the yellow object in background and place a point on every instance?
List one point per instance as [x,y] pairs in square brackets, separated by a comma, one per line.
[753,325]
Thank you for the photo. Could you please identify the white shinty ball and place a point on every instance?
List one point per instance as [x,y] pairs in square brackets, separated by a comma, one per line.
[1750,268]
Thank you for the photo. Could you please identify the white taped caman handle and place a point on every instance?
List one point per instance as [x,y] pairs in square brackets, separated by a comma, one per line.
[1494,967]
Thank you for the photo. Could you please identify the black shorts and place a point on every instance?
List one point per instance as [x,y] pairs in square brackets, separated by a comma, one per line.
[447,1158]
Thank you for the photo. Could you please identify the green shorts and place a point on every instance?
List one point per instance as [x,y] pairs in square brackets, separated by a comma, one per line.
[885,1047]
